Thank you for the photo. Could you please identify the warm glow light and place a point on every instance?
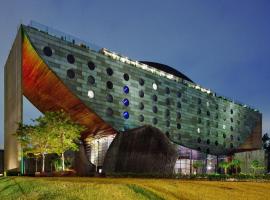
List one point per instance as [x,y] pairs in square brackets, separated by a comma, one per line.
[90,94]
[154,86]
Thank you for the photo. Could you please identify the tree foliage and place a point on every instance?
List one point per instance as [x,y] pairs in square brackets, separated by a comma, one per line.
[54,132]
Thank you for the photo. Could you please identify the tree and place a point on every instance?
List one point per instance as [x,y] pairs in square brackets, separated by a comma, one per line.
[225,165]
[65,133]
[266,147]
[255,165]
[236,164]
[35,139]
[197,164]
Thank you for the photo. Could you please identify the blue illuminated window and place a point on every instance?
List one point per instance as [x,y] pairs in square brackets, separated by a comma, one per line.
[126,89]
[125,102]
[126,115]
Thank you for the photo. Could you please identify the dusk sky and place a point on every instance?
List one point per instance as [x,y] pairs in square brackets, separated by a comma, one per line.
[221,45]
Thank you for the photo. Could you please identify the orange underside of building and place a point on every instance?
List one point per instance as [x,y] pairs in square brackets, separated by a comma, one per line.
[47,92]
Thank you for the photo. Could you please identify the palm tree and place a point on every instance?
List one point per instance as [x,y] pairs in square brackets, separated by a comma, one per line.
[225,165]
[236,164]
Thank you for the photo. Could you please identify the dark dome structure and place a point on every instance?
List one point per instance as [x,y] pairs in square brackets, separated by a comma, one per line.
[167,69]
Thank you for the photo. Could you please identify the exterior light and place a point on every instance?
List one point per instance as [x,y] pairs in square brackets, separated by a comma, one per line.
[198,130]
[90,94]
[154,86]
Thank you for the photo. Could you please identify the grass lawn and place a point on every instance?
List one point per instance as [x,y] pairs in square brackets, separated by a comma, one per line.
[129,188]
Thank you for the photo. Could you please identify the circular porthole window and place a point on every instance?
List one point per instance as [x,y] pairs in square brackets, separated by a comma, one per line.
[141,106]
[47,51]
[126,115]
[141,81]
[126,89]
[109,112]
[141,118]
[154,108]
[167,90]
[141,93]
[154,97]
[126,77]
[90,94]
[109,85]
[70,73]
[125,102]
[109,71]
[154,120]
[70,59]
[91,65]
[178,126]
[91,80]
[154,86]
[109,98]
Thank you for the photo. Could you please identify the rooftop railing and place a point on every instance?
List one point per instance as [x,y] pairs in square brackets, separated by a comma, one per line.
[124,59]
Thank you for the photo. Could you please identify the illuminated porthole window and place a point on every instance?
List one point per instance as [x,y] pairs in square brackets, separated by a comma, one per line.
[141,81]
[125,102]
[70,58]
[109,98]
[198,130]
[90,94]
[154,108]
[125,115]
[216,143]
[91,80]
[91,65]
[154,86]
[179,105]
[126,89]
[167,123]
[224,126]
[47,51]
[109,85]
[141,118]
[208,141]
[109,71]
[167,113]
[154,97]
[126,77]
[141,93]
[141,106]
[109,111]
[70,73]
[207,104]
[178,126]
[179,94]
[199,140]
[167,90]
[178,115]
[155,121]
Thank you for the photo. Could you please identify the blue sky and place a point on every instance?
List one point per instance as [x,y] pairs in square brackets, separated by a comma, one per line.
[221,45]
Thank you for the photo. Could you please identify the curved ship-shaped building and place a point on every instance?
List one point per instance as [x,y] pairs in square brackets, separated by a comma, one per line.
[109,93]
